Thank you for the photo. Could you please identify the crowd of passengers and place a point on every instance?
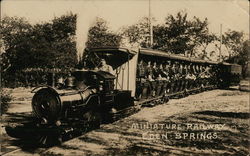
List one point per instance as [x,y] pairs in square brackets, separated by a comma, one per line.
[155,79]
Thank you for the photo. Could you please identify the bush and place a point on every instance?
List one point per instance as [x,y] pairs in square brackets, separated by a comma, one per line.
[5,100]
[32,77]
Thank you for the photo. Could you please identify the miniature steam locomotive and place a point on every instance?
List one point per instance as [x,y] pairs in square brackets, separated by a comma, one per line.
[87,96]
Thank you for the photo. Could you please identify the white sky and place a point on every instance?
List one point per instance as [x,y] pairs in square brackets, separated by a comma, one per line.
[232,14]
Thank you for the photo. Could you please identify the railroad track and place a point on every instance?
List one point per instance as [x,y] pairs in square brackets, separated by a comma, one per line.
[11,152]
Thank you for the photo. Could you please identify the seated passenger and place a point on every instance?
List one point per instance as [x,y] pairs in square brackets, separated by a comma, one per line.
[207,72]
[197,69]
[150,78]
[161,71]
[177,74]
[165,71]
[190,76]
[202,75]
[192,69]
[173,71]
[149,72]
[202,68]
[185,70]
[105,67]
[140,70]
[181,71]
[155,70]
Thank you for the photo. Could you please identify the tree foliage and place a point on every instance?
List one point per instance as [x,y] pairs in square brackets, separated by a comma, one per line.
[58,46]
[181,35]
[100,35]
[237,47]
[241,56]
[138,34]
[14,33]
[178,34]
[5,100]
[244,57]
[44,45]
[233,41]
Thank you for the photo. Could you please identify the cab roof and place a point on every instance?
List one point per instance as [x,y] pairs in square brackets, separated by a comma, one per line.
[114,56]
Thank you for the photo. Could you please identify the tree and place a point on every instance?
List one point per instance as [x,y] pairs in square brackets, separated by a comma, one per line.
[44,45]
[99,35]
[63,41]
[204,41]
[14,32]
[54,43]
[244,57]
[138,33]
[200,36]
[233,41]
[238,48]
[182,36]
[177,30]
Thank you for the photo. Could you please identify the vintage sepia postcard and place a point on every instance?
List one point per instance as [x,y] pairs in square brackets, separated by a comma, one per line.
[125,77]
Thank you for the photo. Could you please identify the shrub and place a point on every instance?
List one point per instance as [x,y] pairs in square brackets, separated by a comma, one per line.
[5,100]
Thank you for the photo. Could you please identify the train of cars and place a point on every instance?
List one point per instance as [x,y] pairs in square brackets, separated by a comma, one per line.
[116,82]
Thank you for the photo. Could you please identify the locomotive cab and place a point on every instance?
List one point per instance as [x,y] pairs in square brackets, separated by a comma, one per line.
[100,80]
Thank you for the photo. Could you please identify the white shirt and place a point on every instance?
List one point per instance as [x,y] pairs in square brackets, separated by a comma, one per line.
[107,68]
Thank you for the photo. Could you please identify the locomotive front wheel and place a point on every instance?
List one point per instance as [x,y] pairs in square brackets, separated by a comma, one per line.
[48,138]
[165,99]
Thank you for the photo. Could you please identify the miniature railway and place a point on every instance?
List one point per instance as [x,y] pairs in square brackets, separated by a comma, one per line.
[89,98]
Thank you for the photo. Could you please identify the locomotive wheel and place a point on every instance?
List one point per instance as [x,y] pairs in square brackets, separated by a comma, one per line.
[165,99]
[185,93]
[48,139]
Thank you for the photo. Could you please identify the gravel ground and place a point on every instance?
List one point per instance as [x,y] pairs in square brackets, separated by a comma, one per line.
[209,123]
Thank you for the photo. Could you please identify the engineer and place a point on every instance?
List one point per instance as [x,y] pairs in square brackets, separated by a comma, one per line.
[105,67]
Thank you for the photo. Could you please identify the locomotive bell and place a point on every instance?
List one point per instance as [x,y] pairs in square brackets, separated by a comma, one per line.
[69,82]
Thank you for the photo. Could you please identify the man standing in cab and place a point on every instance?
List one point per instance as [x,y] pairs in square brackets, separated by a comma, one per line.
[105,67]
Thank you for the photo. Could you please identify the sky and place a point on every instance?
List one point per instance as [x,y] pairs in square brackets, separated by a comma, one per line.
[232,14]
